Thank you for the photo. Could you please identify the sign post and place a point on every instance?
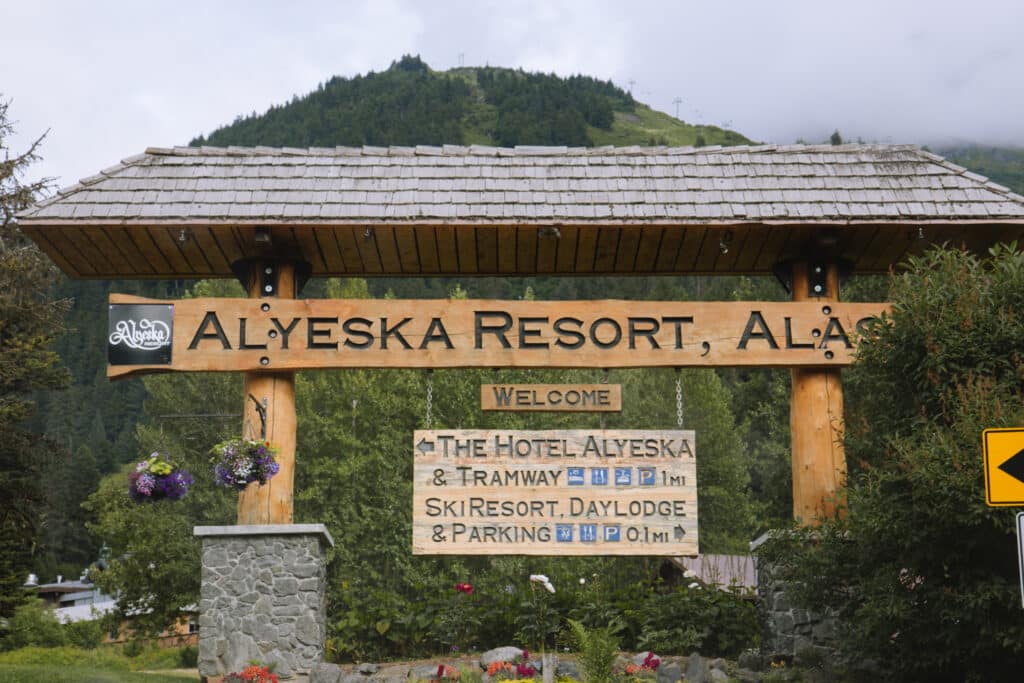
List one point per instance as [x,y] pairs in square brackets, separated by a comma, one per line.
[1020,553]
[554,492]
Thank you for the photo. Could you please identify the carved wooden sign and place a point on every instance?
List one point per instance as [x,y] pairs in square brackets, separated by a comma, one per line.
[554,492]
[552,398]
[210,334]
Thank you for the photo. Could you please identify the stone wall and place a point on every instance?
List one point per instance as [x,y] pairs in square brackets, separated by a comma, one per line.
[792,634]
[262,597]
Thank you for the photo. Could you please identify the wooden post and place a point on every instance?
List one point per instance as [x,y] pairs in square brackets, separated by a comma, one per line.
[816,420]
[272,503]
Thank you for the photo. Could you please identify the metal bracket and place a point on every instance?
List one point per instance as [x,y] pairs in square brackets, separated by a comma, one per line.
[817,275]
[269,274]
[817,279]
[261,410]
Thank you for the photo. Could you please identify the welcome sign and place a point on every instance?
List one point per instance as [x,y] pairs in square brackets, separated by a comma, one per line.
[209,334]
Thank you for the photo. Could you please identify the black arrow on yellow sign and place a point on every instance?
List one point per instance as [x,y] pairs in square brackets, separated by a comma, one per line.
[1014,465]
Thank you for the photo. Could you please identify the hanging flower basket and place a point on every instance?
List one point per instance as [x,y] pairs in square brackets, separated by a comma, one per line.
[238,462]
[158,477]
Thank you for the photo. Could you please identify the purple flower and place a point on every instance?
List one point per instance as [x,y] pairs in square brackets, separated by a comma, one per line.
[238,462]
[145,483]
[175,485]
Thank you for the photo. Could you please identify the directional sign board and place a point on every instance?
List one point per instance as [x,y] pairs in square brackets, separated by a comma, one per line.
[554,492]
[1004,466]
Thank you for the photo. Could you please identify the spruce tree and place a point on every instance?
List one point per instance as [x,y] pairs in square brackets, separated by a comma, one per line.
[29,321]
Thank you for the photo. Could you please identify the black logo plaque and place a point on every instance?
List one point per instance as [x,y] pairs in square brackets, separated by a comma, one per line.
[140,334]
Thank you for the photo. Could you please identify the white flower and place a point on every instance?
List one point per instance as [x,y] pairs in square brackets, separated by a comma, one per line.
[551,589]
[689,574]
[694,585]
[582,581]
[538,578]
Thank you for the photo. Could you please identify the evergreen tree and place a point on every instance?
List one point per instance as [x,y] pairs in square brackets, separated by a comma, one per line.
[29,321]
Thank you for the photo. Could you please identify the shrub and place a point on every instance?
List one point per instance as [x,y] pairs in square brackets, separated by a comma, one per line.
[34,624]
[188,657]
[718,623]
[921,572]
[84,634]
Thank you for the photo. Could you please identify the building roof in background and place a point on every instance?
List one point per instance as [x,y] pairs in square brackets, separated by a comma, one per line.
[739,571]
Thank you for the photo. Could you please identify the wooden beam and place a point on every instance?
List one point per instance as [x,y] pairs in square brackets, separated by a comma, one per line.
[271,503]
[816,421]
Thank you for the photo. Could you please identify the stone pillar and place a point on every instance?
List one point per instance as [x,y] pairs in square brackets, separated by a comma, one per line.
[263,597]
[789,632]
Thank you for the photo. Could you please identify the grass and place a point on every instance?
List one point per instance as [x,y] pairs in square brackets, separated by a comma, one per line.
[26,673]
[648,125]
[100,665]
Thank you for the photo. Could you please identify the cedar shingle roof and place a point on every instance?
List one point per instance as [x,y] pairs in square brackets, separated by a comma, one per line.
[640,185]
[192,212]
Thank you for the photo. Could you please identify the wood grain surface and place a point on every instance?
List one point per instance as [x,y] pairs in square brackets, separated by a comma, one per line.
[443,333]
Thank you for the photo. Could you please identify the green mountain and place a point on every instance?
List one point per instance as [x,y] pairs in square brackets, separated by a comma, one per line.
[410,104]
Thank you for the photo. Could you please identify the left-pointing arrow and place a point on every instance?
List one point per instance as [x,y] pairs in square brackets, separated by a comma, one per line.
[425,446]
[1014,466]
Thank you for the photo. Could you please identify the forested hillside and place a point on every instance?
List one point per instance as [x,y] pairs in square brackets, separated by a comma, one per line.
[409,104]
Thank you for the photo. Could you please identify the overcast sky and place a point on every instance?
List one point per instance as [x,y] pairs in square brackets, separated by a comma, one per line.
[109,78]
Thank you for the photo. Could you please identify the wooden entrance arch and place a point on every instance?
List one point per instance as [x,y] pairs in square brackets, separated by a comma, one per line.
[274,216]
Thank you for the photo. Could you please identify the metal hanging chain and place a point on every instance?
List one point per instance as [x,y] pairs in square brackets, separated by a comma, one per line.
[679,400]
[430,396]
[604,380]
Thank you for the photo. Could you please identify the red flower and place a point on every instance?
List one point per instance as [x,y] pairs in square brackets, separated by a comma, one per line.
[525,670]
[466,588]
[651,661]
[526,654]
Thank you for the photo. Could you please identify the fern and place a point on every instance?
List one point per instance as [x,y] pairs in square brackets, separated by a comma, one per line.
[597,649]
